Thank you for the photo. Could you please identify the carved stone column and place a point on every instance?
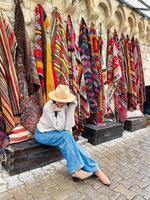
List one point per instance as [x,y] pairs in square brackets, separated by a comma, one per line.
[124,27]
[93,14]
[71,6]
[110,22]
[135,32]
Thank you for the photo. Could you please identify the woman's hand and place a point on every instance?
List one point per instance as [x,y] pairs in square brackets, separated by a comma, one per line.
[74,103]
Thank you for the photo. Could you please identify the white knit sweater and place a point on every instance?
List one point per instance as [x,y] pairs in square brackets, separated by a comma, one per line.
[63,121]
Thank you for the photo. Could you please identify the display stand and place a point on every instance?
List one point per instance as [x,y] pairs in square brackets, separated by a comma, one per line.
[134,124]
[97,134]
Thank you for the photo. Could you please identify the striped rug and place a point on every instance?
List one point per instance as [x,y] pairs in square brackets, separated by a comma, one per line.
[60,57]
[7,49]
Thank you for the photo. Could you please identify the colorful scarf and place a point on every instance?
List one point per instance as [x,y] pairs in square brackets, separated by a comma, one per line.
[30,98]
[90,72]
[42,52]
[7,50]
[60,56]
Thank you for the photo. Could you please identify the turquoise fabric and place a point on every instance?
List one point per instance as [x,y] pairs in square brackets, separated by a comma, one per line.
[75,156]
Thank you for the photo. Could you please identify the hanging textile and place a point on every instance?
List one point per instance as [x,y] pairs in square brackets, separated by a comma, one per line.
[96,47]
[141,92]
[113,72]
[92,84]
[123,43]
[75,74]
[83,102]
[31,95]
[103,107]
[73,56]
[2,123]
[121,89]
[42,52]
[132,93]
[60,57]
[7,50]
[73,70]
[5,105]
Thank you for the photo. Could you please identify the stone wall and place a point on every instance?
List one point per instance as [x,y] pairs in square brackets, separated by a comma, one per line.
[109,12]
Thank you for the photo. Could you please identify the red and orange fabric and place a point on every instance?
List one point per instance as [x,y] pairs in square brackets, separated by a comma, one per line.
[113,72]
[9,87]
[60,58]
[42,52]
[120,96]
[140,83]
[96,48]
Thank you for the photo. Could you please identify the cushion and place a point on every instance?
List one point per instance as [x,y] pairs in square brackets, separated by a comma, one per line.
[19,134]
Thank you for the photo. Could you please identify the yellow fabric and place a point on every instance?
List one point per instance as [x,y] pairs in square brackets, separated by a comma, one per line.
[49,71]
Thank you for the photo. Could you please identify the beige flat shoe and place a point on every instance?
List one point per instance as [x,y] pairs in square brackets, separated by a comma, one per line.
[103,178]
[80,175]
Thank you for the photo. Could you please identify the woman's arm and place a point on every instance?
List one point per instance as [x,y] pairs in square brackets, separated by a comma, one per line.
[56,122]
[70,121]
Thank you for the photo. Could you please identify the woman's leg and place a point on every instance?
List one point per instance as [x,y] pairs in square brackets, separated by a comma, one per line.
[90,165]
[69,148]
[76,157]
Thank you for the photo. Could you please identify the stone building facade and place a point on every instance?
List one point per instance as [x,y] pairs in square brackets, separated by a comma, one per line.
[110,13]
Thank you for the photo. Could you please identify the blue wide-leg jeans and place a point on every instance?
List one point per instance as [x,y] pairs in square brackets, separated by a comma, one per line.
[75,156]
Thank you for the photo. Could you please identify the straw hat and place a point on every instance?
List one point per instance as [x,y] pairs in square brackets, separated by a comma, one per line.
[62,94]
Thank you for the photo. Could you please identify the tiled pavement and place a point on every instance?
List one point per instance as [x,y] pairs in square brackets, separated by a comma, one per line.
[125,160]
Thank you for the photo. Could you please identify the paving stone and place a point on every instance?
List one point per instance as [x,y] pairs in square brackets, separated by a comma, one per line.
[113,184]
[74,194]
[37,193]
[5,195]
[13,181]
[57,194]
[92,193]
[129,194]
[104,197]
[29,198]
[126,183]
[19,193]
[139,197]
[107,191]
[47,182]
[140,191]
[126,161]
[87,198]
[27,177]
[64,182]
[147,188]
[141,184]
[122,197]
[3,188]
[94,182]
